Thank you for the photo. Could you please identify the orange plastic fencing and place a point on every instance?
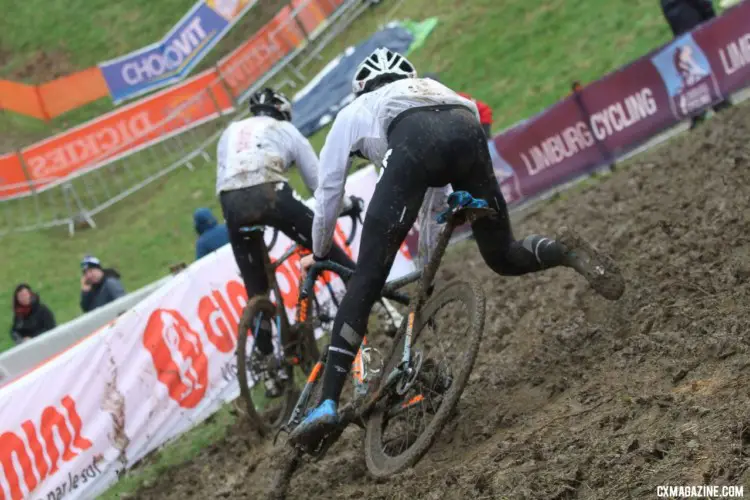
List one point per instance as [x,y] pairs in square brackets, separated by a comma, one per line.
[53,98]
[22,99]
[73,91]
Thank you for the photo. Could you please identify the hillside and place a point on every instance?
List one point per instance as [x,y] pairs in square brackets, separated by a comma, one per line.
[519,57]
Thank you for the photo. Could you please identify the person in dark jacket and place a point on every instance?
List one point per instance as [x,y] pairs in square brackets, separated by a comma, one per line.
[683,16]
[31,318]
[99,286]
[211,234]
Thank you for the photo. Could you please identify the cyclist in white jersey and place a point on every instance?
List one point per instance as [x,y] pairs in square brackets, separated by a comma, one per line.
[253,157]
[424,136]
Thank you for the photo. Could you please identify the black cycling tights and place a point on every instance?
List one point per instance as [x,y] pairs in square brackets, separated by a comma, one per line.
[275,205]
[429,147]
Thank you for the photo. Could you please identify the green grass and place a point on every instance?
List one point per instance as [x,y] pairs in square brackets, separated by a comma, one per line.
[545,45]
[518,55]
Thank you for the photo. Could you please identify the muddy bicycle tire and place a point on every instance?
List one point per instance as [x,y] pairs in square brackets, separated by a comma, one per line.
[263,425]
[288,460]
[471,294]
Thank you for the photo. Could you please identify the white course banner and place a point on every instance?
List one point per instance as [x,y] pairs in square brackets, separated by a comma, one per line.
[71,426]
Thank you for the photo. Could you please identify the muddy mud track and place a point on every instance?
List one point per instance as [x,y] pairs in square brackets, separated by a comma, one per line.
[575,397]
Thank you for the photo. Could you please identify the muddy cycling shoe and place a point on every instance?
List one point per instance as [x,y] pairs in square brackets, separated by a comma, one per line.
[317,425]
[598,269]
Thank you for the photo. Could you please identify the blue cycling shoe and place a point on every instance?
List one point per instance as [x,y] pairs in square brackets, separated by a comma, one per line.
[457,201]
[316,425]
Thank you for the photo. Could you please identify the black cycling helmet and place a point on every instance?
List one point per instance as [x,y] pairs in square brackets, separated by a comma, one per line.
[271,103]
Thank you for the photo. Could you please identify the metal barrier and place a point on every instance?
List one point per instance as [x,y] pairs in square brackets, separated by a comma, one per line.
[24,357]
[78,198]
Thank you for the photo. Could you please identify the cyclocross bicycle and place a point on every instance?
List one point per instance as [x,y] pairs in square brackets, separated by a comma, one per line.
[296,342]
[414,378]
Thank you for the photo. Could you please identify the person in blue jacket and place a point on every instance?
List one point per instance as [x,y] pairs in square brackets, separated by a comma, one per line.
[211,234]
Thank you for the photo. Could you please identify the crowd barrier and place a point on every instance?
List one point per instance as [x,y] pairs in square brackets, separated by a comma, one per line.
[24,357]
[151,374]
[165,114]
[615,115]
[161,64]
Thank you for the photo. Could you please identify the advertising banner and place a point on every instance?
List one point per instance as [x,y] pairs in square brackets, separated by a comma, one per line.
[618,113]
[245,65]
[172,58]
[727,48]
[127,129]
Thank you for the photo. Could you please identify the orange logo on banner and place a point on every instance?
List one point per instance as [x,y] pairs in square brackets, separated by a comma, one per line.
[45,453]
[178,356]
[220,317]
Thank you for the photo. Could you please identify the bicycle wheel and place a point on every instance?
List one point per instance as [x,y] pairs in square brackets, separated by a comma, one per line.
[274,411]
[391,442]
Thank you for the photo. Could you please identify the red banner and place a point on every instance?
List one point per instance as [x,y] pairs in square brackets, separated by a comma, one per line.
[251,60]
[127,129]
[621,111]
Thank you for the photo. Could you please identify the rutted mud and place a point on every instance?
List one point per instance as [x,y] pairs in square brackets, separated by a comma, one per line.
[575,397]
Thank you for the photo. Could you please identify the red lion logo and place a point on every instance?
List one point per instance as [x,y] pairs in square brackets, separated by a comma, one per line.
[178,356]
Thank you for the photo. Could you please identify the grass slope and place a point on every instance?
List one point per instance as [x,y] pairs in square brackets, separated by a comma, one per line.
[519,56]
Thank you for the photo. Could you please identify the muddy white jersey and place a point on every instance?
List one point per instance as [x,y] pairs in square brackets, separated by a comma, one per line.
[261,149]
[362,127]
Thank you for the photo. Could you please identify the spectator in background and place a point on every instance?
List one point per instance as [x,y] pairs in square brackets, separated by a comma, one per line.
[683,16]
[31,318]
[99,286]
[485,111]
[211,234]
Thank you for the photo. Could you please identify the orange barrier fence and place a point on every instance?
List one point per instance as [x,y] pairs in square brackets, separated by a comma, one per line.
[23,99]
[12,178]
[51,99]
[73,91]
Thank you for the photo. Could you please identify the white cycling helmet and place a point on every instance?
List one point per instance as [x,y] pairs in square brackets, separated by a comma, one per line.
[382,65]
[269,101]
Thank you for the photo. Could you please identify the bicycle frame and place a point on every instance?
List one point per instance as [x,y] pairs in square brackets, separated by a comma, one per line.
[357,410]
